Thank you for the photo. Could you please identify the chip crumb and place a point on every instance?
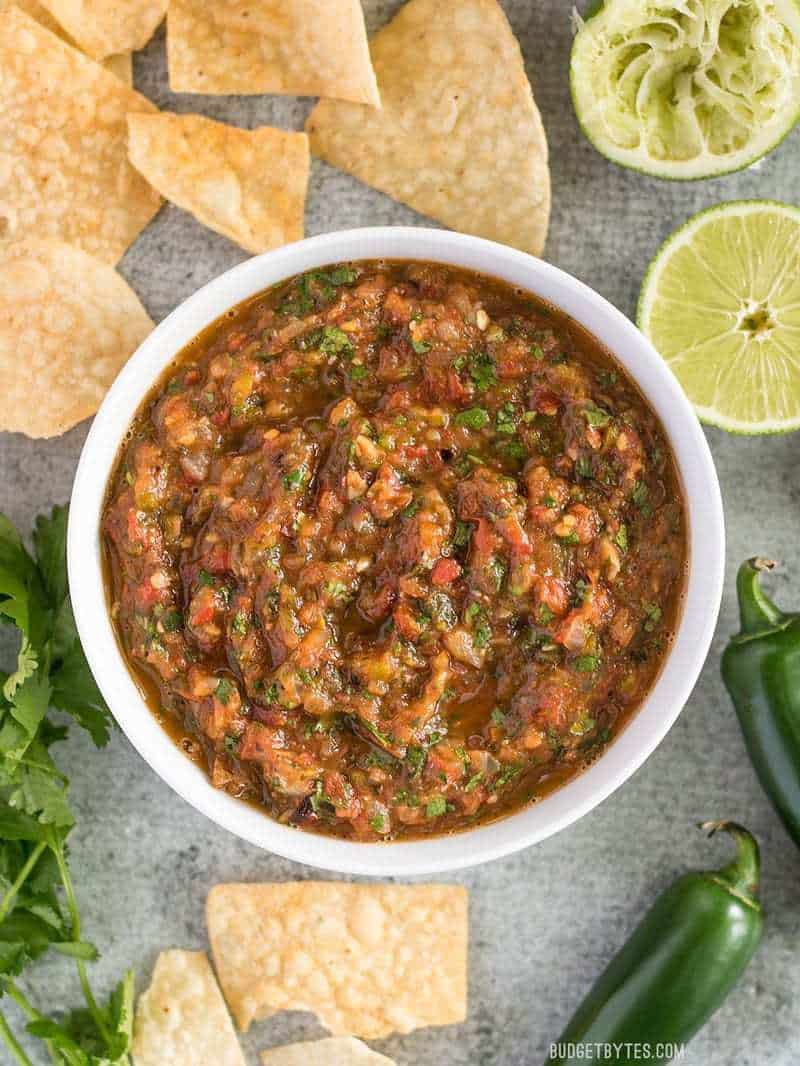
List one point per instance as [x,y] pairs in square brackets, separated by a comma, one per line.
[351,954]
[249,185]
[459,137]
[300,47]
[182,1020]
[335,1051]
[67,325]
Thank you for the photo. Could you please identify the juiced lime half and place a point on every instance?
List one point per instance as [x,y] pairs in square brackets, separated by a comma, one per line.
[721,303]
[689,88]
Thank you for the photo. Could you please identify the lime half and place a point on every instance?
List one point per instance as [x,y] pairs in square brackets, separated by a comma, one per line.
[721,303]
[687,89]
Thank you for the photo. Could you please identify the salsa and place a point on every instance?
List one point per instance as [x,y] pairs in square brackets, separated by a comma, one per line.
[396,548]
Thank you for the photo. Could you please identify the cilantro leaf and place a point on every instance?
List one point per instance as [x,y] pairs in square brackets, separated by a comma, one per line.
[50,543]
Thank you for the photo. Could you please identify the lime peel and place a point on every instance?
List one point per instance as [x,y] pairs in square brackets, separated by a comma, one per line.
[721,303]
[687,89]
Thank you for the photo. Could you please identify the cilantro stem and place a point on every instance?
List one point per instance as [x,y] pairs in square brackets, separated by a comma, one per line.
[11,895]
[12,1044]
[72,903]
[30,1011]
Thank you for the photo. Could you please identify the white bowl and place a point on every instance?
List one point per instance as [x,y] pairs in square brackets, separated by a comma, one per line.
[646,729]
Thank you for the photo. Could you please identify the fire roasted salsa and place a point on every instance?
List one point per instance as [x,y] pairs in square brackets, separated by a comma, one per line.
[395,548]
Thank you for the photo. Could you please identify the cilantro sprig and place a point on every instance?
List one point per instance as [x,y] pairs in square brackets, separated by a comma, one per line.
[38,904]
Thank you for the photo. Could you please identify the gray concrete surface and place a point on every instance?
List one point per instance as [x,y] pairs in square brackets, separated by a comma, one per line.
[545,921]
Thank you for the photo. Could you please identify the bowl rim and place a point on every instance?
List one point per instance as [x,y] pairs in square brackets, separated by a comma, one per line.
[534,823]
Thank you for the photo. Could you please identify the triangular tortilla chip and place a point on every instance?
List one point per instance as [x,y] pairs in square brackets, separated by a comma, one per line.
[181,1019]
[349,953]
[67,325]
[64,170]
[459,137]
[249,185]
[336,1051]
[301,47]
[121,65]
[106,27]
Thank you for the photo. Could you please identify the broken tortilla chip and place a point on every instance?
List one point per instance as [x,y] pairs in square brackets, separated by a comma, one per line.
[249,185]
[459,137]
[182,1020]
[121,65]
[105,27]
[348,953]
[64,170]
[67,325]
[300,47]
[336,1051]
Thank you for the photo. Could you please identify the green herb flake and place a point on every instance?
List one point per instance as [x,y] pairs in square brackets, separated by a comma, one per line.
[204,579]
[335,341]
[505,420]
[462,534]
[420,347]
[232,744]
[640,496]
[474,781]
[436,807]
[482,371]
[506,775]
[473,418]
[544,616]
[224,690]
[583,725]
[653,614]
[295,479]
[358,372]
[621,538]
[377,823]
[586,664]
[483,634]
[498,716]
[416,758]
[172,620]
[241,623]
[583,467]
[596,417]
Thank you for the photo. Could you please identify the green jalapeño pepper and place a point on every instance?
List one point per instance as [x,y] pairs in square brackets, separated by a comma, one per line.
[761,670]
[681,962]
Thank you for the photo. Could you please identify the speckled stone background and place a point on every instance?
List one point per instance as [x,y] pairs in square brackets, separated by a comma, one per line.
[543,922]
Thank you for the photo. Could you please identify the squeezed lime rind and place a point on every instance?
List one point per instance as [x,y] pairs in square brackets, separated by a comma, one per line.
[765,136]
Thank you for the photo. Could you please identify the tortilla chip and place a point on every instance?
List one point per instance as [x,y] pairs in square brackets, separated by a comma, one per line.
[301,47]
[121,65]
[459,137]
[181,1020]
[67,325]
[249,185]
[64,170]
[348,953]
[106,27]
[337,1051]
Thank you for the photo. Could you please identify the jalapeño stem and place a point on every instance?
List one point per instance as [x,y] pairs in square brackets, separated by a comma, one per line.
[756,609]
[742,874]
